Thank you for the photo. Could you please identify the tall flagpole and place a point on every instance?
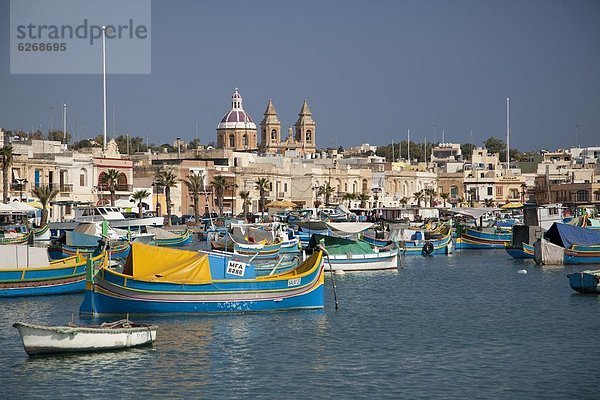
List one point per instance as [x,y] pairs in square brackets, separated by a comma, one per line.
[508,133]
[64,123]
[104,82]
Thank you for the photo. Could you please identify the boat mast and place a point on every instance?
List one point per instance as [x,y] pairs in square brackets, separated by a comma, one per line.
[104,83]
[507,133]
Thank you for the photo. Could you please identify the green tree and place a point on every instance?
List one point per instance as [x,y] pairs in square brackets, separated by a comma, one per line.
[403,201]
[195,185]
[245,196]
[348,197]
[431,193]
[139,196]
[488,202]
[58,136]
[194,144]
[325,190]
[262,185]
[110,179]
[166,178]
[444,197]
[363,198]
[418,197]
[219,183]
[467,150]
[45,195]
[495,145]
[7,159]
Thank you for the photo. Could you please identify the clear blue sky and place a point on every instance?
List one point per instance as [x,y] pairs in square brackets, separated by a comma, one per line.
[370,70]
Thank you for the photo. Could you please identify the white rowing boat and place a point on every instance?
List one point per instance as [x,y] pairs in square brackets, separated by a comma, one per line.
[40,339]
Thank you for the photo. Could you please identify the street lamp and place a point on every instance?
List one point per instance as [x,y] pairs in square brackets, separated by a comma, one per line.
[21,184]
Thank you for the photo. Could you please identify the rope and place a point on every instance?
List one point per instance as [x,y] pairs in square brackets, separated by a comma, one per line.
[332,275]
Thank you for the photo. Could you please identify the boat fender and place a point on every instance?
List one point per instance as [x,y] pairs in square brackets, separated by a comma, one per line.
[427,248]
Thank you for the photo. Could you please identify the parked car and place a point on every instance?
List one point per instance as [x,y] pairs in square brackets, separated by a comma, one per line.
[187,218]
[175,220]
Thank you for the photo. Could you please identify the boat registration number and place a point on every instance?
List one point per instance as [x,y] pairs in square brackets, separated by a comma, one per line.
[236,268]
[293,282]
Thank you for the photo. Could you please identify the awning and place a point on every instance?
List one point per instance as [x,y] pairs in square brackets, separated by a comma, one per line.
[472,211]
[18,206]
[281,204]
[349,227]
[511,205]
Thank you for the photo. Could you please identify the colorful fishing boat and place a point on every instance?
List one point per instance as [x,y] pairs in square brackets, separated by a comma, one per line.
[482,238]
[413,241]
[29,272]
[565,244]
[164,280]
[122,334]
[355,255]
[42,233]
[525,251]
[166,238]
[585,281]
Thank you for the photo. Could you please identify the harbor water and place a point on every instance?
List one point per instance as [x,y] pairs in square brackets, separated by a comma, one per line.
[453,327]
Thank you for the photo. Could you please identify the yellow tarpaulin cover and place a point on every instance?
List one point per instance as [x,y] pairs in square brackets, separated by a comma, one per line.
[512,205]
[160,264]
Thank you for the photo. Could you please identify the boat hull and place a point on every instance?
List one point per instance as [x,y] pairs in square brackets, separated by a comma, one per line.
[65,339]
[526,252]
[585,282]
[368,262]
[112,293]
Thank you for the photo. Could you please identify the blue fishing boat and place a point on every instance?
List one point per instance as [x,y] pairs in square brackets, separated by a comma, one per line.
[482,238]
[33,275]
[565,244]
[525,251]
[165,238]
[585,281]
[412,241]
[164,280]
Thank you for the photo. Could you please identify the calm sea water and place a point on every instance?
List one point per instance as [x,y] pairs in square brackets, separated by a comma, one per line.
[463,326]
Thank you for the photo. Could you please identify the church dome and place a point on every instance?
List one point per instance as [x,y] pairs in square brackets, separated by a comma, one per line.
[236,118]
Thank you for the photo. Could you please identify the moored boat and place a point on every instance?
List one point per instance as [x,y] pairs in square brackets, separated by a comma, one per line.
[355,255]
[565,244]
[164,280]
[585,281]
[33,274]
[41,339]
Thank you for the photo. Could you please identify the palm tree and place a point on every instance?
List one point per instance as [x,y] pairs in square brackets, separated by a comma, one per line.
[444,197]
[219,183]
[140,195]
[245,196]
[403,201]
[418,197]
[488,202]
[262,184]
[195,185]
[363,198]
[110,178]
[7,159]
[431,193]
[45,195]
[167,179]
[349,197]
[472,193]
[325,190]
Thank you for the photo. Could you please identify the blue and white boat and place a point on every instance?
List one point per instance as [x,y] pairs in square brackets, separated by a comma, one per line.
[585,281]
[27,271]
[565,244]
[163,280]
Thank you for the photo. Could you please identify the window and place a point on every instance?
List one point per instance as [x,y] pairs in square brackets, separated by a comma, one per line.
[231,141]
[308,135]
[245,140]
[490,191]
[82,177]
[499,191]
[285,187]
[453,191]
[273,135]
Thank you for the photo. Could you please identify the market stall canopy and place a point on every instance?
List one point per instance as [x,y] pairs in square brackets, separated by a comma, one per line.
[349,227]
[281,204]
[35,204]
[18,206]
[6,208]
[472,211]
[512,205]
